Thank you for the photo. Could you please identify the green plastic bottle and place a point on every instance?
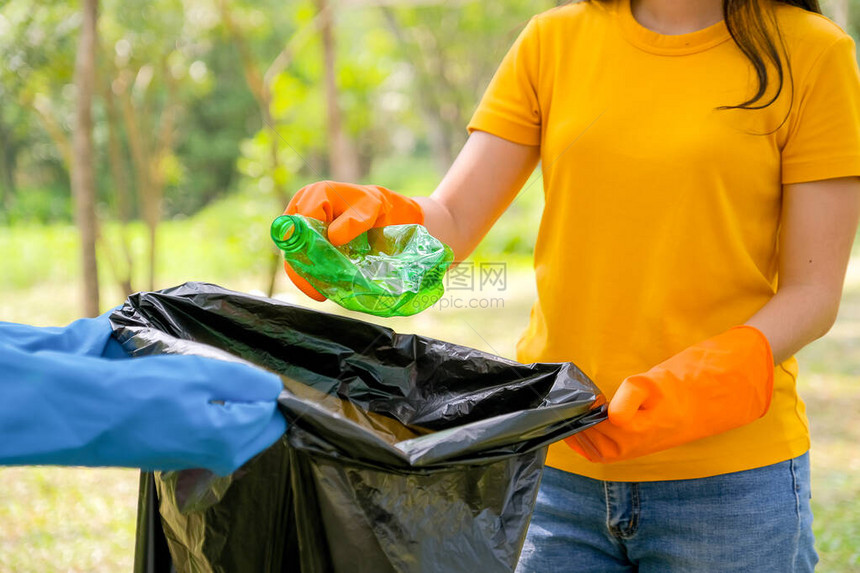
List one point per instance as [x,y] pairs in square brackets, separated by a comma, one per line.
[388,271]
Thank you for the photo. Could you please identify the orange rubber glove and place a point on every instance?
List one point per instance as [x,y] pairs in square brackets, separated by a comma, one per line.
[349,210]
[722,383]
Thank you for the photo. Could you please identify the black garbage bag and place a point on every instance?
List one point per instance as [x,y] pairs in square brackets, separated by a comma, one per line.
[403,453]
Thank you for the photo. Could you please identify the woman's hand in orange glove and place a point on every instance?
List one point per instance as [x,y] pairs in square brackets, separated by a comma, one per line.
[349,210]
[717,385]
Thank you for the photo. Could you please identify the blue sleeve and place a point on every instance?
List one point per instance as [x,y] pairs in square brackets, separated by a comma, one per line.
[84,337]
[65,403]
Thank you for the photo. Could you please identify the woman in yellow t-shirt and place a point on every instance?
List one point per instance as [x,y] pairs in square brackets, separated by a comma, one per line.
[700,163]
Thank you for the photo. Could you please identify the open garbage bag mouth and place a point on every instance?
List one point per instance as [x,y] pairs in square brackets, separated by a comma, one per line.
[385,430]
[366,390]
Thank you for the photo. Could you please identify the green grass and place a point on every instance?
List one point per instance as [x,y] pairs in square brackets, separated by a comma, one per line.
[63,519]
[69,519]
[830,386]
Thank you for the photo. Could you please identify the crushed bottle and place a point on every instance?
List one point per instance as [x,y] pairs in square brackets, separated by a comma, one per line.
[397,270]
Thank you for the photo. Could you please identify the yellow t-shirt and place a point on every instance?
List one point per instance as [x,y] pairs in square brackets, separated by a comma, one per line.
[662,212]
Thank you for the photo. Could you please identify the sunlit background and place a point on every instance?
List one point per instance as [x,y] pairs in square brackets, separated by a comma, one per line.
[206,116]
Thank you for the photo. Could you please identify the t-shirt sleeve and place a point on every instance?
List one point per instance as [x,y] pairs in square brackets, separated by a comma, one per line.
[824,138]
[510,108]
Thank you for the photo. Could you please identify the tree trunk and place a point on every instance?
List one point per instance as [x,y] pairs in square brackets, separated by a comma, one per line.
[260,86]
[148,153]
[428,97]
[162,147]
[82,168]
[343,159]
[123,194]
[140,160]
[8,162]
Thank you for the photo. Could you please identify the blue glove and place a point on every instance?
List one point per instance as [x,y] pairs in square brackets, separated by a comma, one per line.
[71,396]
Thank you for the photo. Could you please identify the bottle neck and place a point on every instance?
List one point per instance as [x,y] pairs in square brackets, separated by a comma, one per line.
[289,232]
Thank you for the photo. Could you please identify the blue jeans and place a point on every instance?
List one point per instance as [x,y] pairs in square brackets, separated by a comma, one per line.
[752,521]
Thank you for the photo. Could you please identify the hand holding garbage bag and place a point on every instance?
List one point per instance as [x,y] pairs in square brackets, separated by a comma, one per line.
[69,397]
[350,210]
[711,387]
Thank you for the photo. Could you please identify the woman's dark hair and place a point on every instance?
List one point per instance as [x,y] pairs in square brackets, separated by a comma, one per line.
[750,25]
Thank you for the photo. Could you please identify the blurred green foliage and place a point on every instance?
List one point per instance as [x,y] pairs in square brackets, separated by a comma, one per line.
[202,101]
[213,129]
[226,239]
[39,205]
[37,253]
[229,239]
[408,78]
